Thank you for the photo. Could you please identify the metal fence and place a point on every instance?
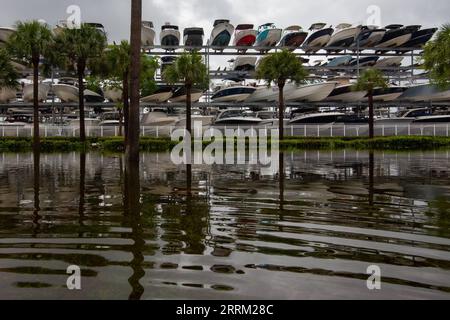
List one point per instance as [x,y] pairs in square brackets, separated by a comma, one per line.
[308,130]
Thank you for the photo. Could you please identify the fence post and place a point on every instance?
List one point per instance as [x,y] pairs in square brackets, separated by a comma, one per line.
[292,130]
[357,131]
[447,130]
[318,131]
[17,131]
[396,130]
[88,131]
[157,131]
[31,131]
[331,130]
[421,130]
[304,130]
[73,132]
[101,131]
[382,130]
[3,131]
[45,131]
[434,130]
[409,129]
[344,131]
[143,131]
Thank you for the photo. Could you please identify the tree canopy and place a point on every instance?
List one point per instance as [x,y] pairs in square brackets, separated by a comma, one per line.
[370,79]
[189,69]
[436,57]
[8,75]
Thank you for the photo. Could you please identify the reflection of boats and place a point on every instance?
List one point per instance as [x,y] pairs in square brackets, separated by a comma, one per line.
[180,95]
[169,36]
[221,34]
[244,35]
[369,36]
[232,93]
[312,92]
[426,92]
[162,94]
[43,89]
[244,63]
[343,36]
[319,37]
[317,118]
[147,34]
[7,94]
[293,37]
[193,37]
[236,117]
[268,36]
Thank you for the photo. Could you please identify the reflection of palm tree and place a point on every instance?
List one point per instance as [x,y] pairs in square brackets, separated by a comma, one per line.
[81,200]
[371,179]
[132,208]
[189,180]
[36,187]
[281,174]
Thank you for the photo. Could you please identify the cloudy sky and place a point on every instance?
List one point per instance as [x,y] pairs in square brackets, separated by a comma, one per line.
[115,14]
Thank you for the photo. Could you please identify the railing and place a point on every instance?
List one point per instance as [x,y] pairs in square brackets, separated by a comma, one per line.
[307,130]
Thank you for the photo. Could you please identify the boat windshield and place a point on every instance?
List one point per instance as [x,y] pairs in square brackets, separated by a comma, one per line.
[231,113]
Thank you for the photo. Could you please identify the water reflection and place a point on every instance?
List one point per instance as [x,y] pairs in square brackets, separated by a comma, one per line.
[156,230]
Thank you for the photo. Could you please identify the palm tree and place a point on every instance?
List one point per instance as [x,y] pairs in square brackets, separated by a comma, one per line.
[279,67]
[115,64]
[8,75]
[29,43]
[189,69]
[368,81]
[78,46]
[436,58]
[132,143]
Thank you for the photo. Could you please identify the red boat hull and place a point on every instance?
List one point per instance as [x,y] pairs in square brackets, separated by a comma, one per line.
[246,41]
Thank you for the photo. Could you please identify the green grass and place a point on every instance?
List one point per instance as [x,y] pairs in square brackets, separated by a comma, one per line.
[116,144]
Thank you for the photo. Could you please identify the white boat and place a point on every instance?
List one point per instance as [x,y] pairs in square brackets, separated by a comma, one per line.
[344,92]
[169,36]
[293,37]
[91,96]
[66,92]
[319,37]
[161,95]
[438,118]
[221,34]
[147,34]
[426,92]
[244,36]
[43,89]
[7,94]
[159,117]
[317,118]
[405,116]
[263,93]
[313,92]
[113,94]
[386,94]
[236,117]
[232,93]
[389,62]
[268,36]
[196,117]
[193,37]
[244,63]
[369,36]
[5,33]
[344,35]
[179,96]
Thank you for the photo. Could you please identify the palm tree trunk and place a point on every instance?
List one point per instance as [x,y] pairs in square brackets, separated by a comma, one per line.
[281,111]
[126,102]
[36,137]
[81,66]
[188,109]
[120,121]
[132,147]
[371,125]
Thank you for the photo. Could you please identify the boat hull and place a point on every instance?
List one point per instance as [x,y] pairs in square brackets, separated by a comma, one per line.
[245,38]
[195,96]
[43,90]
[169,38]
[345,93]
[312,92]
[7,94]
[395,42]
[244,63]
[233,94]
[147,36]
[113,95]
[318,40]
[158,97]
[293,40]
[221,35]
[342,38]
[268,38]
[65,92]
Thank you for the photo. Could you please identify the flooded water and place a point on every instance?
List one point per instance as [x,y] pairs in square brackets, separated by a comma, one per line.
[241,235]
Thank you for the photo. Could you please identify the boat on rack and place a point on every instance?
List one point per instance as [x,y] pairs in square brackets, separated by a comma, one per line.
[169,36]
[386,94]
[43,89]
[221,34]
[193,37]
[319,37]
[317,118]
[159,117]
[244,63]
[179,95]
[232,93]
[196,118]
[369,36]
[162,94]
[113,94]
[345,92]
[268,36]
[236,117]
[343,36]
[389,62]
[244,36]
[396,36]
[65,92]
[419,38]
[293,37]
[434,118]
[425,92]
[166,61]
[405,116]
[5,33]
[366,61]
[147,34]
[339,61]
[312,92]
[263,93]
[98,26]
[7,94]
